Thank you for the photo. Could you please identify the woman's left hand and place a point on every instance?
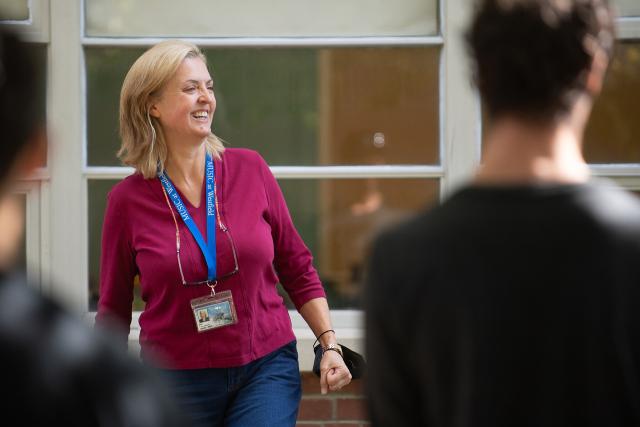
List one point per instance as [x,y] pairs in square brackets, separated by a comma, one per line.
[334,374]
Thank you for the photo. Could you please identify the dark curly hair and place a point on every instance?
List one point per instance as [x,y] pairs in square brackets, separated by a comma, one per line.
[531,57]
[20,98]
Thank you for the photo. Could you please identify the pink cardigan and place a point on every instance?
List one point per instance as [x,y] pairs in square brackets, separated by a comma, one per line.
[139,238]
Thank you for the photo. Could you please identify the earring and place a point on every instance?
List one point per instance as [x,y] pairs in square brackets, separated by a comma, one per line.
[153,132]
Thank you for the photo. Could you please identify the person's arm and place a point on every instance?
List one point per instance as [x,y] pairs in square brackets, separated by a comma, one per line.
[294,266]
[117,270]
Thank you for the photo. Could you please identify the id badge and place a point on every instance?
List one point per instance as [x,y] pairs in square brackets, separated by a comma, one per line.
[214,311]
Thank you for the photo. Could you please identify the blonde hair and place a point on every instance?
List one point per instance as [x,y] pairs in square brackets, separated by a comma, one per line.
[143,144]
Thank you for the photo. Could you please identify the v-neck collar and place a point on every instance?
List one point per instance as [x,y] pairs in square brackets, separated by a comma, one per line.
[203,192]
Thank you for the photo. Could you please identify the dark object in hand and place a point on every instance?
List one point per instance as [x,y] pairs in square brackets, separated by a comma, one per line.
[354,361]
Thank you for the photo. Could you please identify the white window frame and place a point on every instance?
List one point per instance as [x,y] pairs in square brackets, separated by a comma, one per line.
[459,122]
[36,28]
[64,211]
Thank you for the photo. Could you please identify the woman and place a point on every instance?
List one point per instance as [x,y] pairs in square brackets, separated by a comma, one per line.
[208,231]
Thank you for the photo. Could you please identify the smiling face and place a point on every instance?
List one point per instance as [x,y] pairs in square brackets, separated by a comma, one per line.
[187,103]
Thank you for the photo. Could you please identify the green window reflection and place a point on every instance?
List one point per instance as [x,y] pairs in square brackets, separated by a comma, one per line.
[98,190]
[344,106]
[97,203]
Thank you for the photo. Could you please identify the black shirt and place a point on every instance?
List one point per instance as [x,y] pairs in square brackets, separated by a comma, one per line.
[509,306]
[58,371]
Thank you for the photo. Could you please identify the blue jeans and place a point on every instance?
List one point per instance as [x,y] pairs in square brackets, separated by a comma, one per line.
[265,392]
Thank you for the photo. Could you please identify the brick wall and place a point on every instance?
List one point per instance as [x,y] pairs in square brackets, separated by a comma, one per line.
[345,408]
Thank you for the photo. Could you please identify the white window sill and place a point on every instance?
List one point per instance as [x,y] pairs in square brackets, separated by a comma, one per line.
[348,325]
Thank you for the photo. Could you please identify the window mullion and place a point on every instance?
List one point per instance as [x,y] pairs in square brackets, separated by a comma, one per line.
[67,213]
[459,104]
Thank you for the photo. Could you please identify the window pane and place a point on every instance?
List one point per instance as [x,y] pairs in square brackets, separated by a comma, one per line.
[39,53]
[255,18]
[628,7]
[21,255]
[338,218]
[106,69]
[612,133]
[98,190]
[14,10]
[298,106]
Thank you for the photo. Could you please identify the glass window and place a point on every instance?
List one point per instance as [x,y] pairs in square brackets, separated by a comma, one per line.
[628,7]
[298,106]
[337,219]
[106,69]
[21,255]
[98,190]
[255,18]
[39,53]
[612,133]
[14,10]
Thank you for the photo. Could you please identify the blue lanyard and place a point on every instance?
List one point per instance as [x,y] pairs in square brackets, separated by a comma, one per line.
[208,249]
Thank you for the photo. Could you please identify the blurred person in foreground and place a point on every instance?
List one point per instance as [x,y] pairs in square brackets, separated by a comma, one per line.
[517,301]
[56,368]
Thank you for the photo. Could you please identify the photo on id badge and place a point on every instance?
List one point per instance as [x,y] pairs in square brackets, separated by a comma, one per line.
[213,312]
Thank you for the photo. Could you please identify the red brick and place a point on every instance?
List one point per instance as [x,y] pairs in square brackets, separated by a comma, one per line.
[351,409]
[316,409]
[310,383]
[355,388]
